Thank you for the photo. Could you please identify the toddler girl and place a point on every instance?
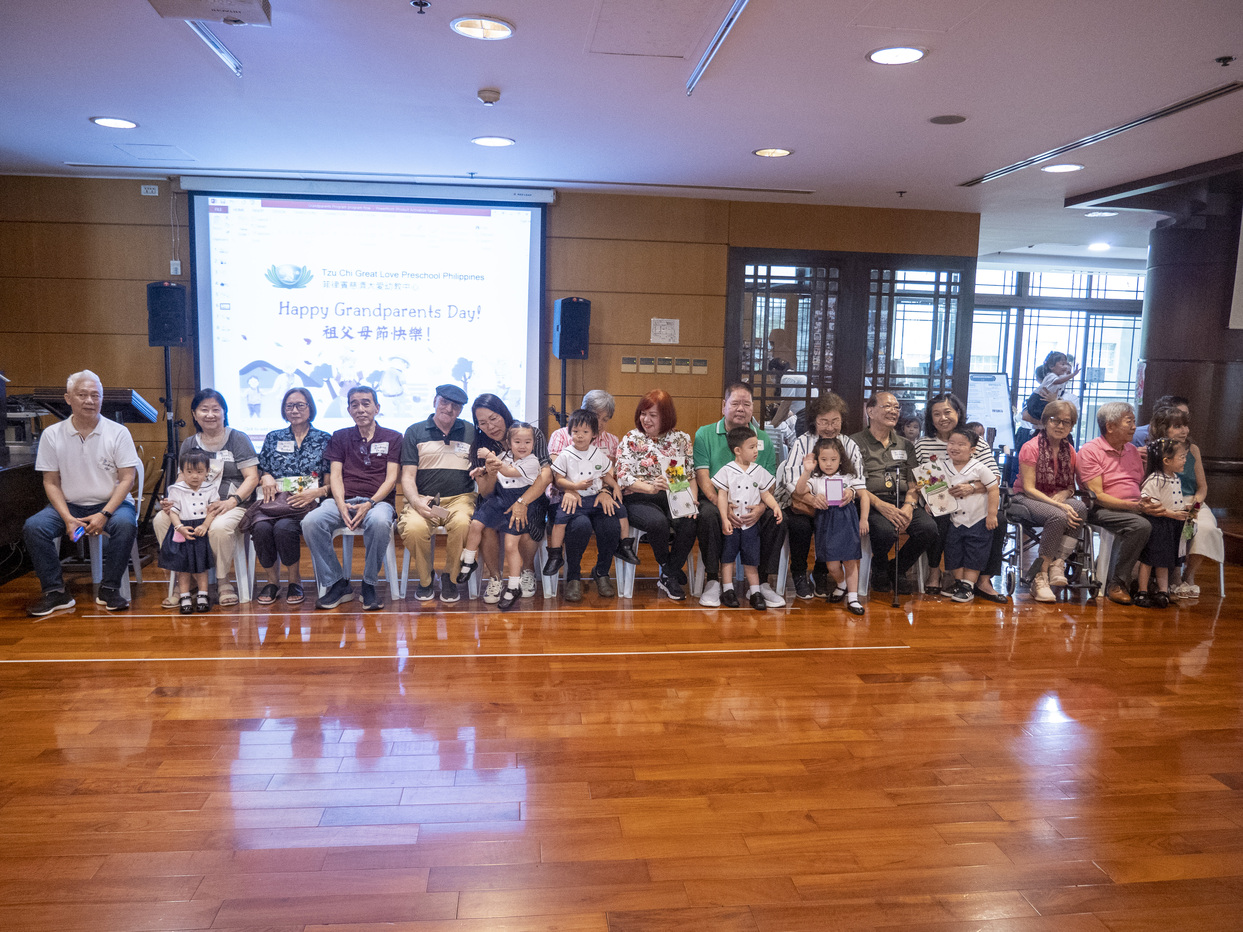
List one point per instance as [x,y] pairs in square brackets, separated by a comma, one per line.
[185,550]
[1166,459]
[517,469]
[840,524]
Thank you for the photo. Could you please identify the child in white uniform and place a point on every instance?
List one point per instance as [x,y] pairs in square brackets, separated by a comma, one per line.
[970,534]
[741,485]
[1163,551]
[185,550]
[517,469]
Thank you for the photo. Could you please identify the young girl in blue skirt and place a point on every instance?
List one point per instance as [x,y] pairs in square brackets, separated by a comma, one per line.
[185,550]
[838,523]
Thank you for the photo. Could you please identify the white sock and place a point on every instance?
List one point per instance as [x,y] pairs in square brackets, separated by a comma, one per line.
[852,597]
[727,586]
[752,591]
[515,582]
[468,556]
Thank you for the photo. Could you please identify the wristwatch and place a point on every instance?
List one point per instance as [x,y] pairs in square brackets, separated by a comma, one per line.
[106,513]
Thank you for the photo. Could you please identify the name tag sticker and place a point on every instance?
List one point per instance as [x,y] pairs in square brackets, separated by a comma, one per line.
[225,456]
[284,446]
[381,447]
[761,447]
[462,449]
[899,456]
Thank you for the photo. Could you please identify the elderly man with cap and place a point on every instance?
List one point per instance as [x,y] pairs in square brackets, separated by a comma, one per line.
[435,480]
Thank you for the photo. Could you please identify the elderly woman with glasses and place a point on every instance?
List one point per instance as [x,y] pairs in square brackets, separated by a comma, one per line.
[1045,490]
[292,482]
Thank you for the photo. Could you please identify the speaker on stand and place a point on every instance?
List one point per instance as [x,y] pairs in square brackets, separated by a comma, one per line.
[571,326]
[168,325]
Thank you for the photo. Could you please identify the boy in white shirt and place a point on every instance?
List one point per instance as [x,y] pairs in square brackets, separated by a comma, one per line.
[970,533]
[742,486]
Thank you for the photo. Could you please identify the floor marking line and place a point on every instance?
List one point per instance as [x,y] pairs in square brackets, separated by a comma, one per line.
[600,653]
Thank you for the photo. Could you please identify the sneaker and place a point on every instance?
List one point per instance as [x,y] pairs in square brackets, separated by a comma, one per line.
[605,587]
[770,597]
[729,598]
[509,598]
[757,601]
[626,552]
[963,592]
[1057,573]
[111,600]
[1191,590]
[448,589]
[823,583]
[492,593]
[1040,589]
[552,566]
[670,587]
[371,599]
[526,584]
[340,591]
[466,569]
[574,590]
[711,597]
[803,587]
[424,593]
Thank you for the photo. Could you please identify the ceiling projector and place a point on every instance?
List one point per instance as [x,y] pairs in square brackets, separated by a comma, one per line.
[233,12]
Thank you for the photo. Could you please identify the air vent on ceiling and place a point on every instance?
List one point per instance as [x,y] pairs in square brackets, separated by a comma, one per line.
[233,12]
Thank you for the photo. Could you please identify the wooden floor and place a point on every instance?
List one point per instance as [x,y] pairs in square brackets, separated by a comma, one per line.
[623,766]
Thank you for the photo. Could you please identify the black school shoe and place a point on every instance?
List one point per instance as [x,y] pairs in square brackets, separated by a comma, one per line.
[855,608]
[626,552]
[757,601]
[465,571]
[554,562]
[729,598]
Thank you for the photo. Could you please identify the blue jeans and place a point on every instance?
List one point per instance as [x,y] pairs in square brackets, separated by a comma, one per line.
[319,525]
[43,530]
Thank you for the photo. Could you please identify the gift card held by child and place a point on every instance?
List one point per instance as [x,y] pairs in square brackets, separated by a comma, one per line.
[681,500]
[932,485]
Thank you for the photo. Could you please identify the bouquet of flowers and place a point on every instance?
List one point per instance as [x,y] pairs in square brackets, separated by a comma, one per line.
[681,500]
[297,483]
[931,482]
[1189,526]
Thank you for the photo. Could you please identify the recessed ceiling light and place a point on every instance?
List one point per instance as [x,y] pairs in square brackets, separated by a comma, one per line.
[482,27]
[1062,167]
[114,122]
[1101,213]
[898,55]
[772,153]
[948,119]
[493,141]
[1099,247]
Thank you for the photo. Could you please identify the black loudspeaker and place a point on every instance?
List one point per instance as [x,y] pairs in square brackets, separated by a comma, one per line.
[571,321]
[167,324]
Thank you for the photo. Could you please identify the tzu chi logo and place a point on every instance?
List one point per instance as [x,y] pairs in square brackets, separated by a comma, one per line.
[288,276]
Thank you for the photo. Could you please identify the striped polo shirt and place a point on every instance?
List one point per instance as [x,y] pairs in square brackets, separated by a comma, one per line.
[443,459]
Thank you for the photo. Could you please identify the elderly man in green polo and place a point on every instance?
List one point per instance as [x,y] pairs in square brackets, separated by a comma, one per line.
[711,453]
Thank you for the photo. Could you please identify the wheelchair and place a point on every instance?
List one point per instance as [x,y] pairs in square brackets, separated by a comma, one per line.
[1023,534]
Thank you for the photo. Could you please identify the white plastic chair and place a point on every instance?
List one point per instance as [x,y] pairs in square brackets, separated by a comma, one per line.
[95,545]
[697,572]
[395,584]
[625,572]
[243,569]
[472,586]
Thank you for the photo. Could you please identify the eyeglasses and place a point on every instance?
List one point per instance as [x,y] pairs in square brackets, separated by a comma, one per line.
[1059,422]
[365,452]
[296,406]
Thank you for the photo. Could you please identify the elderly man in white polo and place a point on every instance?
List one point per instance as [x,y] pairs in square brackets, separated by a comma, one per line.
[88,464]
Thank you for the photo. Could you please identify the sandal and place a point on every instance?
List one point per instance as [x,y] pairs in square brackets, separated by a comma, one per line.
[267,595]
[227,594]
[203,603]
[186,603]
[294,594]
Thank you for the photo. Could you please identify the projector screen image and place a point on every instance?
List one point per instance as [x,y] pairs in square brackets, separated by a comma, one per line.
[401,296]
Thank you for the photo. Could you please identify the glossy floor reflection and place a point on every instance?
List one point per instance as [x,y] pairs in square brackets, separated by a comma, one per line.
[633,765]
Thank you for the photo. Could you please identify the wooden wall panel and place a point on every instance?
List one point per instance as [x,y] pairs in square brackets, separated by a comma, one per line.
[636,267]
[90,200]
[853,229]
[626,318]
[81,250]
[579,215]
[80,305]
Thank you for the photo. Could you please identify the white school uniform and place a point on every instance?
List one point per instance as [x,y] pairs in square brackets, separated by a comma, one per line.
[577,465]
[529,467]
[191,504]
[743,486]
[973,508]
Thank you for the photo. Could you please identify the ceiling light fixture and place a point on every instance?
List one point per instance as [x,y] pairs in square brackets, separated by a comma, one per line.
[1101,213]
[495,142]
[114,122]
[200,29]
[482,27]
[896,55]
[1098,247]
[1061,168]
[1179,107]
[948,119]
[772,153]
[714,46]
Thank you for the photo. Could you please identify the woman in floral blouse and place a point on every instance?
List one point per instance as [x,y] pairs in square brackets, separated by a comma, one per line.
[292,481]
[643,456]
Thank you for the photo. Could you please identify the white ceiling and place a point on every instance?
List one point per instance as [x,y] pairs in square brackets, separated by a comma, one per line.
[594,93]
